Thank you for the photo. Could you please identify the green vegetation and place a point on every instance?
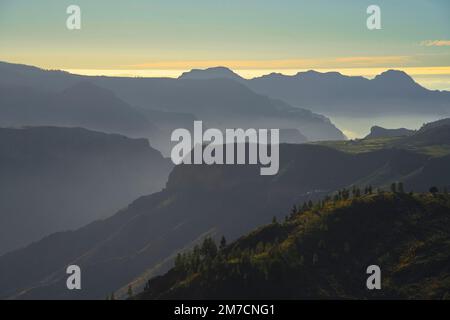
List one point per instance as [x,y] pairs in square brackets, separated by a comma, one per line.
[360,145]
[322,250]
[368,145]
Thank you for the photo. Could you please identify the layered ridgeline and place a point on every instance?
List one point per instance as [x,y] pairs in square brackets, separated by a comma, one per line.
[141,240]
[392,92]
[81,105]
[322,251]
[220,103]
[87,105]
[223,98]
[54,179]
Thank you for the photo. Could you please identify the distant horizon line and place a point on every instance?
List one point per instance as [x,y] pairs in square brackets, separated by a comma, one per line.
[432,78]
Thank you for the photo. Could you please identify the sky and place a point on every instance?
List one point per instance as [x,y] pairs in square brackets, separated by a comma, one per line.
[252,37]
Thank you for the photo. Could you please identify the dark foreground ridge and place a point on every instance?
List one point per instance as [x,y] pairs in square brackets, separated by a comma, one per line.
[323,250]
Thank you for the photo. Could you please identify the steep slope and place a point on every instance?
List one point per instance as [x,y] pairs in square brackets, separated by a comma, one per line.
[220,102]
[437,135]
[292,136]
[392,92]
[323,252]
[434,124]
[198,200]
[54,179]
[434,173]
[81,105]
[12,74]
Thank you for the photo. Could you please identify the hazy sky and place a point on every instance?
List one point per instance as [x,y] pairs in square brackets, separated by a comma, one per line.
[164,38]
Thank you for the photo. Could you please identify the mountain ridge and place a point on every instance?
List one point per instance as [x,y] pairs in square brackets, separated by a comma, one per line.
[55,178]
[197,200]
[332,93]
[317,253]
[380,132]
[219,102]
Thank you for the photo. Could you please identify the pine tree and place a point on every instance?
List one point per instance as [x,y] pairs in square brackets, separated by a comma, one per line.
[294,210]
[179,262]
[259,247]
[394,187]
[354,191]
[304,207]
[130,291]
[208,248]
[223,243]
[345,194]
[434,190]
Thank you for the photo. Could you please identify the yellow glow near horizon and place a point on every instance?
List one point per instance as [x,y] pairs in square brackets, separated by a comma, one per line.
[429,77]
[251,73]
[277,64]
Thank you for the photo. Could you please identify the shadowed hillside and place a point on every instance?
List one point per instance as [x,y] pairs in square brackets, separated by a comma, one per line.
[54,179]
[229,200]
[322,251]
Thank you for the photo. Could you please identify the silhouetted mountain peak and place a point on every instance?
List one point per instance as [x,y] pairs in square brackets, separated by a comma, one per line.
[310,73]
[394,75]
[313,74]
[380,132]
[302,75]
[211,73]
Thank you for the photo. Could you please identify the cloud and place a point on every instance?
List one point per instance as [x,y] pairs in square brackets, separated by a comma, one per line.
[436,43]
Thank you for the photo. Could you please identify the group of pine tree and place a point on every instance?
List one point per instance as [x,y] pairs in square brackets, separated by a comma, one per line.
[274,252]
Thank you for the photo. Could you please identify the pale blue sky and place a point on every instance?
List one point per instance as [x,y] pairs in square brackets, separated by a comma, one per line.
[245,34]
